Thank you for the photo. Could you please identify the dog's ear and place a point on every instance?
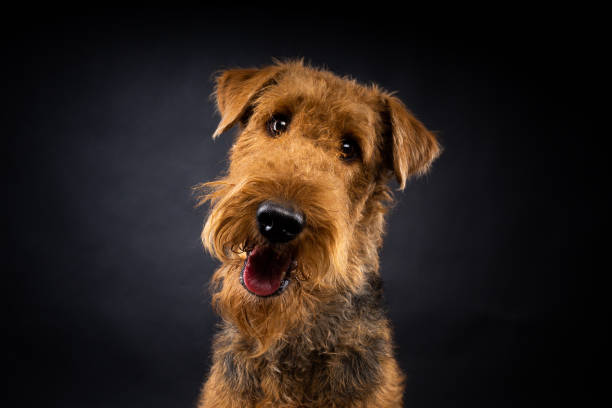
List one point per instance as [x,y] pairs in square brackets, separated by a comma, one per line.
[235,91]
[413,147]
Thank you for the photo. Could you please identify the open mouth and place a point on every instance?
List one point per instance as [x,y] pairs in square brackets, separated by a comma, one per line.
[266,271]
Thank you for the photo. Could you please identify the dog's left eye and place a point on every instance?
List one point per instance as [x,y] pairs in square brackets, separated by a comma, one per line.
[349,149]
[277,124]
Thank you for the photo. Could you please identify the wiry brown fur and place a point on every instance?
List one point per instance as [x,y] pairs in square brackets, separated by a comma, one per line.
[324,341]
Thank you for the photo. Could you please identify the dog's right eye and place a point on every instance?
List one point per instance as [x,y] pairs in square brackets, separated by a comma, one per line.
[277,125]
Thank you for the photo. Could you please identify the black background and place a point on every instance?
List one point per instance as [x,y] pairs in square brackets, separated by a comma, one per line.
[489,261]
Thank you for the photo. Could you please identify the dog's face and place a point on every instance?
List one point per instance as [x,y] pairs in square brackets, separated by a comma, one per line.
[299,215]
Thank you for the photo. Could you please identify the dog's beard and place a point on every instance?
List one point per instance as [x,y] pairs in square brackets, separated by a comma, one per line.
[268,319]
[320,256]
[265,320]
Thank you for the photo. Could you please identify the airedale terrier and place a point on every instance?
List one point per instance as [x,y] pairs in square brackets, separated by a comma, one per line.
[297,223]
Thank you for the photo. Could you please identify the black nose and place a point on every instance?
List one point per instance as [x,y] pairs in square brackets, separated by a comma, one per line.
[279,223]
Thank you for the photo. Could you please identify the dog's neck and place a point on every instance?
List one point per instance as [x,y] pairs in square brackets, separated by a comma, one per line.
[369,227]
[326,328]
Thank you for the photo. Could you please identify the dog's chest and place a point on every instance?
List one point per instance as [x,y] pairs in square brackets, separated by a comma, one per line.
[296,372]
[335,360]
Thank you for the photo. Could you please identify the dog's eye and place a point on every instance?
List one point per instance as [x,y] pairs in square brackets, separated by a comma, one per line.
[277,124]
[349,149]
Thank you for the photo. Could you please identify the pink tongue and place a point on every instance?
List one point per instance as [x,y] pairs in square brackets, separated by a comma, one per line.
[264,270]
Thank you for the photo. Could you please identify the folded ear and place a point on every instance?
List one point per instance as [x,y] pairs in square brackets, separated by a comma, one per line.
[413,147]
[236,90]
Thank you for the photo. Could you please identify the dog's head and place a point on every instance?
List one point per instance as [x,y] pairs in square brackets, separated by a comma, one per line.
[299,216]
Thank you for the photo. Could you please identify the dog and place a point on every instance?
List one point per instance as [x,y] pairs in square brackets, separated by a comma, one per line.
[297,223]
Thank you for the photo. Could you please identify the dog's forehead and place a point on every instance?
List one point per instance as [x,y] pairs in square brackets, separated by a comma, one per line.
[329,91]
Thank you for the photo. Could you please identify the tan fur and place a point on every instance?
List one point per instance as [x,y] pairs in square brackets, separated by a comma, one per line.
[324,341]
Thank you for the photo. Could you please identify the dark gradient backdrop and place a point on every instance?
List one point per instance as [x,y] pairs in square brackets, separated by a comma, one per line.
[488,262]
